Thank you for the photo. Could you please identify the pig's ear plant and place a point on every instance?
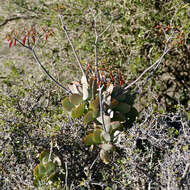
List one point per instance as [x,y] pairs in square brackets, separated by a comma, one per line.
[105,105]
[47,169]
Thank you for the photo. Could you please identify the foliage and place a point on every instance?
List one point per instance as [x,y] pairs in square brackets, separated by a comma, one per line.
[117,112]
[46,170]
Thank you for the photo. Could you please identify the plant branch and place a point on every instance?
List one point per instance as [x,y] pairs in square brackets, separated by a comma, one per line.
[106,28]
[16,18]
[71,44]
[40,64]
[101,107]
[149,175]
[66,176]
[97,36]
[96,50]
[157,63]
[47,73]
[28,47]
[155,66]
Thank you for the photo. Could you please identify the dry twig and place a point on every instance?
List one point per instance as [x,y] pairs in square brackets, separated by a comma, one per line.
[40,64]
[16,18]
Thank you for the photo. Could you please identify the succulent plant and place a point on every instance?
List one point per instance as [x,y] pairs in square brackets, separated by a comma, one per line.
[118,112]
[46,170]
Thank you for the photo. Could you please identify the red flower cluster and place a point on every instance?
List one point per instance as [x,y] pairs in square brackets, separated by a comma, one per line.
[105,75]
[31,33]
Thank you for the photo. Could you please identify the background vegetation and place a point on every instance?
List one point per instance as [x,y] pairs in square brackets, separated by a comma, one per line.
[154,152]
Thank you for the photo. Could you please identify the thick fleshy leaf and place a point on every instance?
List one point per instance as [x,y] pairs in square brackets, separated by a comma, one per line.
[121,98]
[117,91]
[107,121]
[96,114]
[78,111]
[94,104]
[67,105]
[52,176]
[97,136]
[44,170]
[41,170]
[119,116]
[104,156]
[114,126]
[106,147]
[123,108]
[36,182]
[114,103]
[73,88]
[50,168]
[107,98]
[110,88]
[24,40]
[84,83]
[75,99]
[44,156]
[106,136]
[36,171]
[10,43]
[93,87]
[129,99]
[89,116]
[89,139]
[131,116]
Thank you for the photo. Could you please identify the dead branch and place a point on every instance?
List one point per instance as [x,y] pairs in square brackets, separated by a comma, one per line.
[16,18]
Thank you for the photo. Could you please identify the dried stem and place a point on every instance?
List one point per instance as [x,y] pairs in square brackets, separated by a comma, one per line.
[16,18]
[146,70]
[72,46]
[97,36]
[66,176]
[40,64]
[101,107]
[155,66]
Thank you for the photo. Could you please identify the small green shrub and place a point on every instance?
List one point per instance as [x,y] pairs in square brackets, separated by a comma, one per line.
[46,170]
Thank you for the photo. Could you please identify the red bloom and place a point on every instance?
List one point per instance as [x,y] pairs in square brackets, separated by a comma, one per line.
[88,67]
[46,36]
[24,40]
[14,44]
[10,43]
[33,39]
[97,83]
[122,82]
